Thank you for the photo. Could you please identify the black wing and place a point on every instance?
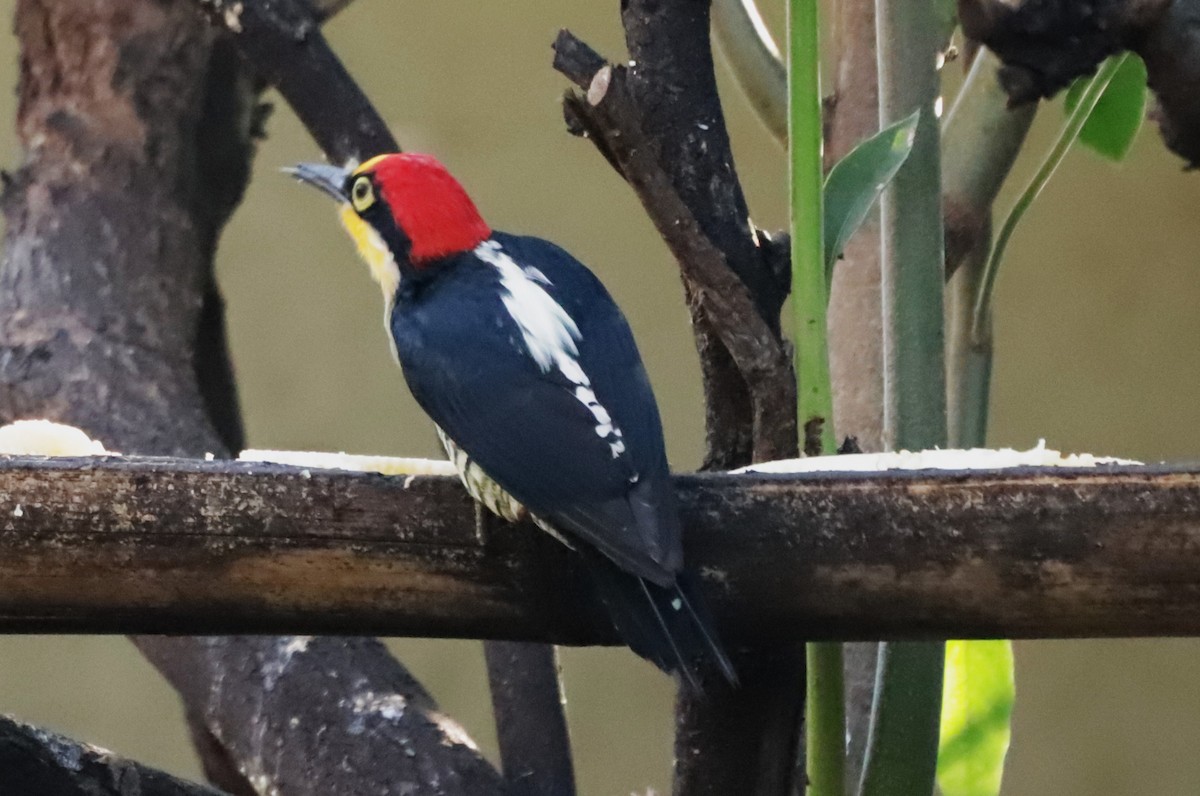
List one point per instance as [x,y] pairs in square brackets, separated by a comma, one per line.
[465,361]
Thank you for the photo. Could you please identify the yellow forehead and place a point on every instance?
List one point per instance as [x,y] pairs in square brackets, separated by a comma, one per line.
[369,165]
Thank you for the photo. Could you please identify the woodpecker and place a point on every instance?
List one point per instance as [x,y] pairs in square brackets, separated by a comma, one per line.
[533,380]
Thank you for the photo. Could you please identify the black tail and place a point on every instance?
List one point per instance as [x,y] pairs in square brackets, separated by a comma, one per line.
[670,627]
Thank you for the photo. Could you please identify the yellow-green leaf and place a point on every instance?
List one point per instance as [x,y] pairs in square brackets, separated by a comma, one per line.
[855,182]
[1115,121]
[977,701]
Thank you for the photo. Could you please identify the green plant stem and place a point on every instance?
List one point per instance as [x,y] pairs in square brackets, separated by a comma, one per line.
[826,742]
[809,293]
[902,744]
[968,364]
[981,138]
[912,253]
[903,712]
[826,720]
[754,60]
[981,329]
[982,135]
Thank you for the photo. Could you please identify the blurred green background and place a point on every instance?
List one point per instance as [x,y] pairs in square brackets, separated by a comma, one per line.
[1096,330]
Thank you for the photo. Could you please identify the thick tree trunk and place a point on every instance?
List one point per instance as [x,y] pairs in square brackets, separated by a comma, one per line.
[137,120]
[112,220]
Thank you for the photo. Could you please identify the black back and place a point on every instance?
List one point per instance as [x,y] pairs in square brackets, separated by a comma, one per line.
[465,360]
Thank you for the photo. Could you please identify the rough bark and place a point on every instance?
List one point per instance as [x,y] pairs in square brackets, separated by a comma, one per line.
[386,735]
[209,547]
[1045,44]
[760,726]
[111,222]
[283,42]
[138,124]
[36,762]
[749,388]
[1171,49]
[220,768]
[659,123]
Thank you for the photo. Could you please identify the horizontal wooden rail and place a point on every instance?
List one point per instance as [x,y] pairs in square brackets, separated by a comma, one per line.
[113,545]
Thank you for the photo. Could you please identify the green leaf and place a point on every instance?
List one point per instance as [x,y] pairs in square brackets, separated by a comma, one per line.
[855,182]
[977,701]
[1114,124]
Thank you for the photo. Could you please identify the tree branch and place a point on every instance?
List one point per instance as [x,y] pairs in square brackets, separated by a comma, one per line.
[720,300]
[396,738]
[1046,45]
[39,762]
[659,122]
[282,40]
[534,742]
[759,721]
[118,545]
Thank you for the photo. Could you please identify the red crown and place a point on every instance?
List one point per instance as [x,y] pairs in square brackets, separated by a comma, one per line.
[430,207]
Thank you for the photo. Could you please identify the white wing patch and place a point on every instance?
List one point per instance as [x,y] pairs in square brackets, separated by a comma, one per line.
[549,333]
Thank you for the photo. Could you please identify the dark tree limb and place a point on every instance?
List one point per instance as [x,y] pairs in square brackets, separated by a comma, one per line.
[730,403]
[396,739]
[283,43]
[535,747]
[111,222]
[114,321]
[36,762]
[673,85]
[659,122]
[764,728]
[1045,44]
[1171,49]
[719,299]
[218,763]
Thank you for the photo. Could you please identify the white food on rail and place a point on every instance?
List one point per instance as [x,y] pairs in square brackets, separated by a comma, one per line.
[387,465]
[937,459]
[47,438]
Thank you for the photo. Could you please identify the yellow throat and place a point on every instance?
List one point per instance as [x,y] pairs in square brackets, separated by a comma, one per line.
[376,253]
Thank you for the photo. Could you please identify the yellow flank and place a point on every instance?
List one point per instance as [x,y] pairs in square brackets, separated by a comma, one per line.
[373,250]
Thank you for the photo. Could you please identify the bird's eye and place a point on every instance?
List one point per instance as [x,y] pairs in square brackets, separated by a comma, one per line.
[362,194]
